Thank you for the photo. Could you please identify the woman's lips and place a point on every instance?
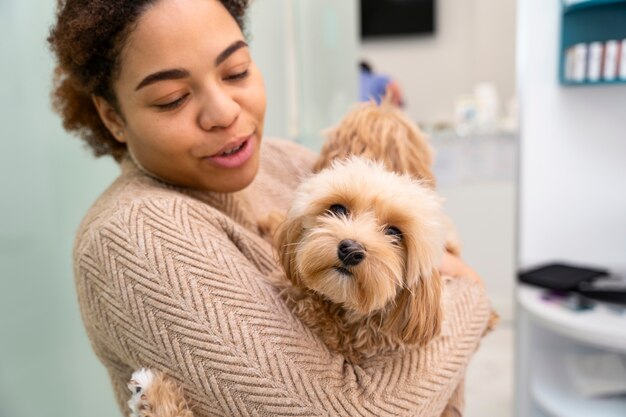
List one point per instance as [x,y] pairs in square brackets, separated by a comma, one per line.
[235,156]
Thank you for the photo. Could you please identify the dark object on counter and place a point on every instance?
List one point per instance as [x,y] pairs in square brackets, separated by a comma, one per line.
[560,277]
[612,291]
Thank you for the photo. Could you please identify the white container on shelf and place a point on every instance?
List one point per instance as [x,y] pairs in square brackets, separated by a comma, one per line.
[611,60]
[594,64]
[622,64]
[580,62]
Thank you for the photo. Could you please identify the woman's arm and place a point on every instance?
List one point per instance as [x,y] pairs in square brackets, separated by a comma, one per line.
[453,266]
[164,285]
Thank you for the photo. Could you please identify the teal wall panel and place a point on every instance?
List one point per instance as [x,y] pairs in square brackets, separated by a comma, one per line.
[48,180]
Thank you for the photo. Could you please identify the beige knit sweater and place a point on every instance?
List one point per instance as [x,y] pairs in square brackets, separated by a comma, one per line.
[171,279]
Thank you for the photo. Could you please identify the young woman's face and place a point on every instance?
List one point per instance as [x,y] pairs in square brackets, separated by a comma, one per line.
[191,99]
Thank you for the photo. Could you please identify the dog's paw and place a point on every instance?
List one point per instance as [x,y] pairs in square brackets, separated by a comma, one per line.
[139,383]
[140,380]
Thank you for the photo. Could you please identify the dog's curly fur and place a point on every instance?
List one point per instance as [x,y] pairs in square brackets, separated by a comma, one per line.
[381,133]
[155,395]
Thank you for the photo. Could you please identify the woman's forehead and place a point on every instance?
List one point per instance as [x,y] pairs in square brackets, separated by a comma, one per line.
[175,33]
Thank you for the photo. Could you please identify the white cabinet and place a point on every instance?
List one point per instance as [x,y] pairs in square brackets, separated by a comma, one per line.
[549,336]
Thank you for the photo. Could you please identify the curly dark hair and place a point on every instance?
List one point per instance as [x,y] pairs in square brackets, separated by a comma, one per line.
[87,40]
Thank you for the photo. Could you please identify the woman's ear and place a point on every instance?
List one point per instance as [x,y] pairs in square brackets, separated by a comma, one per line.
[110,117]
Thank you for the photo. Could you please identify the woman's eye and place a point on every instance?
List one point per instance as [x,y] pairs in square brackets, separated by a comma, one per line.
[338,210]
[172,104]
[394,232]
[238,76]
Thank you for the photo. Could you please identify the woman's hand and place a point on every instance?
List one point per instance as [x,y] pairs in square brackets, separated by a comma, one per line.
[453,266]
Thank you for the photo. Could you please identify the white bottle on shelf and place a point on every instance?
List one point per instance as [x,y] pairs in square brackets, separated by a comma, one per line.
[622,61]
[611,51]
[580,62]
[594,64]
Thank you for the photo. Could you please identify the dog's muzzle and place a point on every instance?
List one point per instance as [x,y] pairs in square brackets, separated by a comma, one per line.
[350,253]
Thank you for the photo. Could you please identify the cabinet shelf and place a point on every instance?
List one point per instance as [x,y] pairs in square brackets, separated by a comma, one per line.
[592,83]
[550,336]
[586,22]
[570,6]
[554,392]
[599,327]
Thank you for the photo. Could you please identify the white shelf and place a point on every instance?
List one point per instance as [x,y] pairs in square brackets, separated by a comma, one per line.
[601,326]
[554,393]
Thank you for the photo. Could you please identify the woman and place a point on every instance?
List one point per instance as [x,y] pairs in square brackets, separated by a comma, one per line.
[168,262]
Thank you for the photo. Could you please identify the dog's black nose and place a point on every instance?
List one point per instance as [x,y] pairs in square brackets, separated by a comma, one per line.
[350,253]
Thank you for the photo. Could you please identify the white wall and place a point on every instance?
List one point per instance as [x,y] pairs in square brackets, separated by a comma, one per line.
[474,42]
[573,152]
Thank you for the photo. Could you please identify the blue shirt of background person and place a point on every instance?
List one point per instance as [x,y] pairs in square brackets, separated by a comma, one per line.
[372,86]
[375,86]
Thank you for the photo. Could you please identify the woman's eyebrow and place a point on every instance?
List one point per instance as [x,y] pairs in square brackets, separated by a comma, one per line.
[177,73]
[171,74]
[229,51]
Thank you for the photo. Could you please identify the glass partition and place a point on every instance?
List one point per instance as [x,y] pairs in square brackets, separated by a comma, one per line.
[49,180]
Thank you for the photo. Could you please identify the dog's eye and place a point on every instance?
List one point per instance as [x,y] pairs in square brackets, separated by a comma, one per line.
[394,232]
[338,210]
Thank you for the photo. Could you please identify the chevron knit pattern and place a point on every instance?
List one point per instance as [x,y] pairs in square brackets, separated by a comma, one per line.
[173,280]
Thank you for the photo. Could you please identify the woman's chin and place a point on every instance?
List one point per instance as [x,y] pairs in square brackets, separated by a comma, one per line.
[230,181]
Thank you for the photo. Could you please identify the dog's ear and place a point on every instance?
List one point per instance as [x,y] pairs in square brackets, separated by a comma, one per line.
[417,156]
[267,226]
[417,315]
[285,242]
[326,153]
[419,165]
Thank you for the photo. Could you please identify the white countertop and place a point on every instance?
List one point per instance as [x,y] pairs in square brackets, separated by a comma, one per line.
[601,326]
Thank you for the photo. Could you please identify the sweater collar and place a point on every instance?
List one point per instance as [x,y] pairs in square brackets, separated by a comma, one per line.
[235,205]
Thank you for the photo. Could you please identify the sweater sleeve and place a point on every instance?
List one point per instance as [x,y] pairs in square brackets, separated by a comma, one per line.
[163,284]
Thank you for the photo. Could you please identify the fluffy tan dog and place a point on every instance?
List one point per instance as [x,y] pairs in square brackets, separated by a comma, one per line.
[360,248]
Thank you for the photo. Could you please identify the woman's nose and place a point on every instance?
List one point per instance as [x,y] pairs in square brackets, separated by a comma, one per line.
[218,109]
